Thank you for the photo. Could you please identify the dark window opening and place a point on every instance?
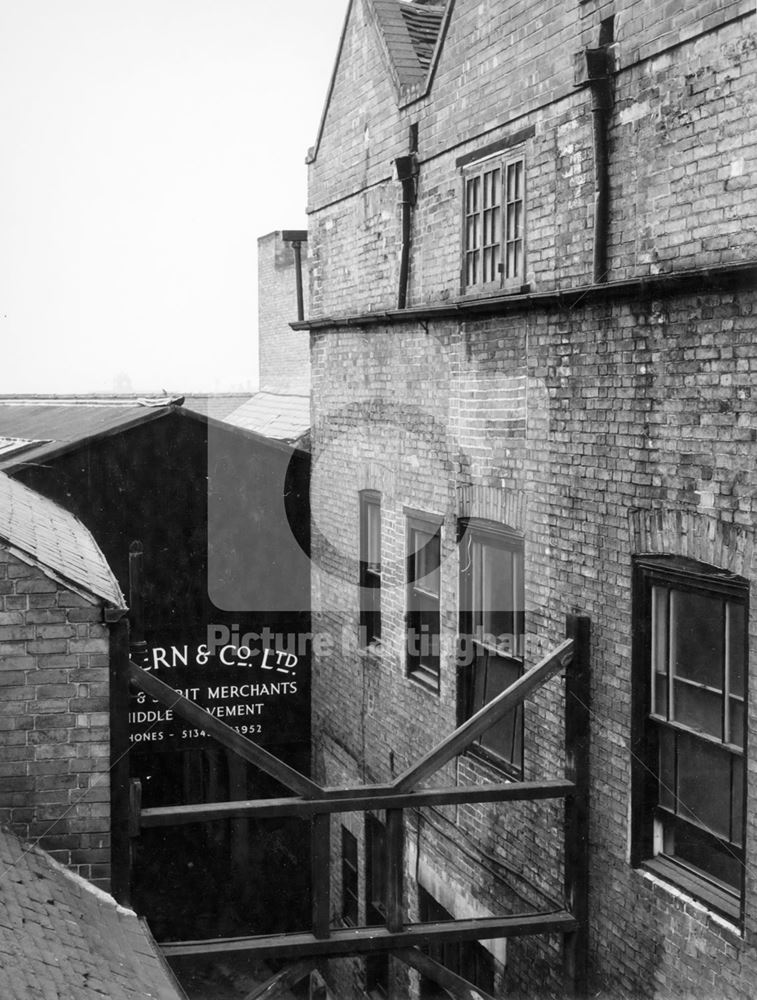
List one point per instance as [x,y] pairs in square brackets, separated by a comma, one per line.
[467,959]
[492,627]
[370,568]
[423,615]
[690,704]
[349,878]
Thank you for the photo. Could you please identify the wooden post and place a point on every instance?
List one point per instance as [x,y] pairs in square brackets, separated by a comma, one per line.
[120,843]
[577,734]
[136,603]
[320,854]
[395,830]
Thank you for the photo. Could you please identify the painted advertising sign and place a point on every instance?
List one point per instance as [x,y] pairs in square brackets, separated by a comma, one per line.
[257,683]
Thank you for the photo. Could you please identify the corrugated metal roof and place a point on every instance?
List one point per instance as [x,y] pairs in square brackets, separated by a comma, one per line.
[53,421]
[283,417]
[55,540]
[61,937]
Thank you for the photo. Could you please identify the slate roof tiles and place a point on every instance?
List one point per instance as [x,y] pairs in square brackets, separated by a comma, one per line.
[63,939]
[54,540]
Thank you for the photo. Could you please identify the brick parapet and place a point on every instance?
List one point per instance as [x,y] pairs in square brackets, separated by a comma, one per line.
[54,655]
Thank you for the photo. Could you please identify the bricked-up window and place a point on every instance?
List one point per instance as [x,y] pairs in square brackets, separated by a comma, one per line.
[370,567]
[349,878]
[690,657]
[376,966]
[467,959]
[494,224]
[423,619]
[492,628]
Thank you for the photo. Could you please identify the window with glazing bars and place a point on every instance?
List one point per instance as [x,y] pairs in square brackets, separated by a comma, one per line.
[494,226]
[692,638]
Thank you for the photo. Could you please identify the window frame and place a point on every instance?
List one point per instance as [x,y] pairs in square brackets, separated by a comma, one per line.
[509,227]
[472,689]
[651,820]
[369,572]
[421,601]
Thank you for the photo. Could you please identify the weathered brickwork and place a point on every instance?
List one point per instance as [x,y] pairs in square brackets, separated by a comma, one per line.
[283,354]
[600,430]
[54,656]
[681,150]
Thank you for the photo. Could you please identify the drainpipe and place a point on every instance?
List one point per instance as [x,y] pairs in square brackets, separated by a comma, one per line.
[407,172]
[297,237]
[598,78]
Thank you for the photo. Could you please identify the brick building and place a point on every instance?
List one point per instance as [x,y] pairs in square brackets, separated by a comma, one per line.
[283,355]
[532,266]
[59,602]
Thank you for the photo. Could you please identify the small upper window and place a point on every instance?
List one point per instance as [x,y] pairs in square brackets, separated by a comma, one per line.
[494,236]
[690,654]
[370,567]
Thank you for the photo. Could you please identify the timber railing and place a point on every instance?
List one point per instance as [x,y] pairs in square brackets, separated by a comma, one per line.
[315,803]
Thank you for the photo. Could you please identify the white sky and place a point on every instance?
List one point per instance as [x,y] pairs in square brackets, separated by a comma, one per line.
[146,144]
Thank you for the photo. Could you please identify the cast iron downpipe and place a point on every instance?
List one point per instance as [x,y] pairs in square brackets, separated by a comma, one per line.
[297,237]
[407,171]
[597,72]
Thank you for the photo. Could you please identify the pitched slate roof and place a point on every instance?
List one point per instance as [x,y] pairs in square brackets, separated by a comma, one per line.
[61,938]
[54,540]
[409,31]
[282,416]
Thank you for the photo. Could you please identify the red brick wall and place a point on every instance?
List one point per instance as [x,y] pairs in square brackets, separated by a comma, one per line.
[599,431]
[54,746]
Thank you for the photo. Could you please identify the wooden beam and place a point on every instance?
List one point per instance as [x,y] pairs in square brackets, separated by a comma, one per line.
[320,858]
[511,791]
[359,940]
[577,866]
[225,735]
[477,725]
[284,980]
[456,986]
[395,866]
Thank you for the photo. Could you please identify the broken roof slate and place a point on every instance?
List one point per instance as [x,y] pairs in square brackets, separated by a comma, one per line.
[54,540]
[62,938]
[423,21]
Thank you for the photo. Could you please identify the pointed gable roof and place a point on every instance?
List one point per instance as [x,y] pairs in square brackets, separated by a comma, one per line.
[55,541]
[409,32]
